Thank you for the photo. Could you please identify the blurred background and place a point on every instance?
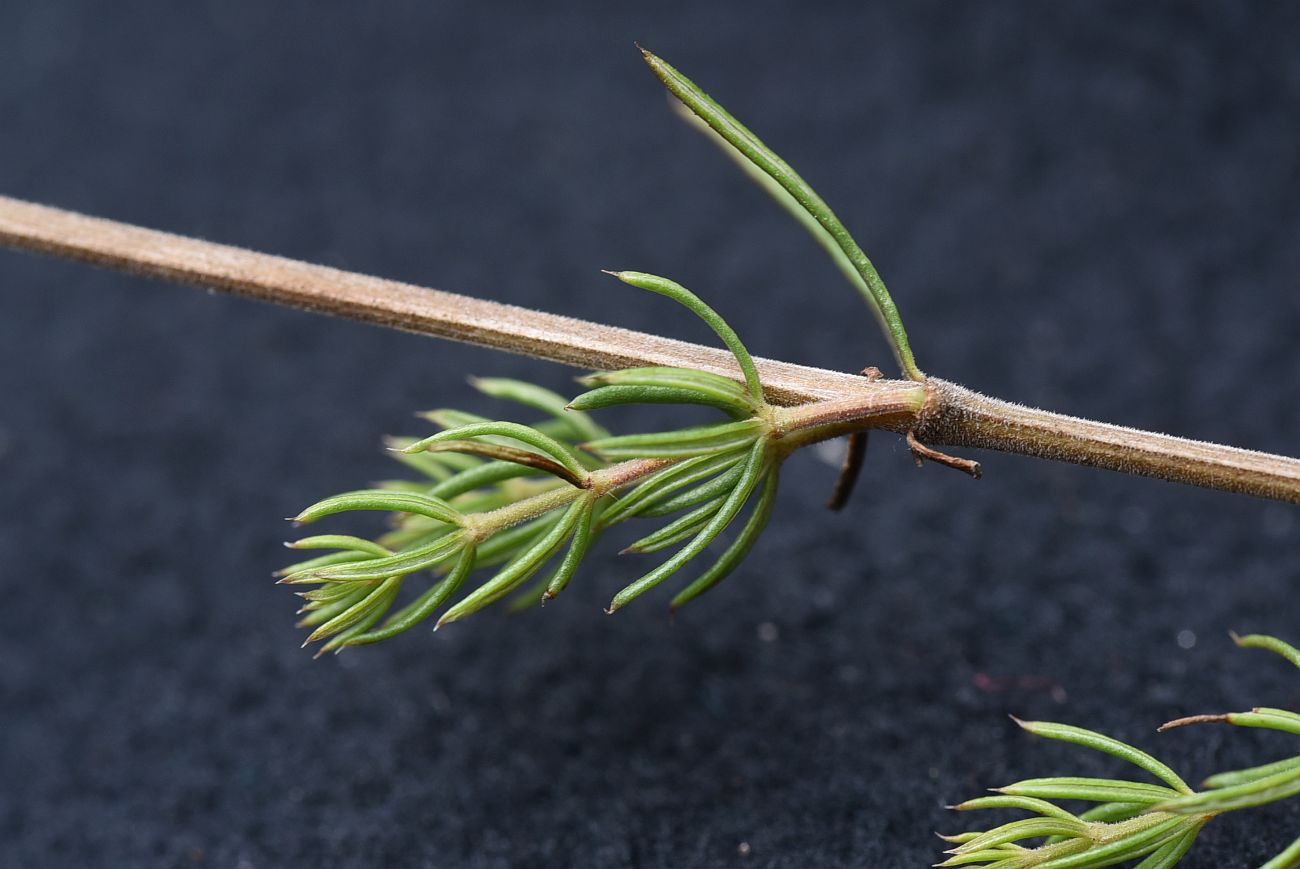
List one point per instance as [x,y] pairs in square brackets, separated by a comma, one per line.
[1089,207]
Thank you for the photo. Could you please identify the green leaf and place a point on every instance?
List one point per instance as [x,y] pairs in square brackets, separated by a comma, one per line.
[719,485]
[696,305]
[787,202]
[373,614]
[322,561]
[1125,848]
[663,483]
[323,609]
[400,564]
[413,532]
[449,418]
[1097,790]
[520,567]
[1272,644]
[1109,813]
[1107,745]
[755,465]
[512,454]
[722,388]
[576,426]
[1026,828]
[683,443]
[340,541]
[1028,804]
[423,606]
[766,160]
[1171,852]
[549,446]
[481,476]
[613,396]
[737,551]
[379,598]
[435,467]
[380,499]
[583,536]
[1269,789]
[1241,776]
[506,543]
[677,530]
[1268,719]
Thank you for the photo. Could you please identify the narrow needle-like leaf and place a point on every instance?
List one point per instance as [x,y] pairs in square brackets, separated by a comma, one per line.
[1258,792]
[423,606]
[678,530]
[504,453]
[1272,644]
[744,141]
[520,568]
[788,203]
[583,535]
[380,499]
[577,426]
[739,548]
[1108,745]
[420,558]
[754,467]
[613,396]
[721,388]
[683,443]
[1241,776]
[1097,790]
[522,433]
[683,296]
[1171,852]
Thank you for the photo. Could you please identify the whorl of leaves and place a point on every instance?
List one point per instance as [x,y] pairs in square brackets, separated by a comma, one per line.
[1127,820]
[509,510]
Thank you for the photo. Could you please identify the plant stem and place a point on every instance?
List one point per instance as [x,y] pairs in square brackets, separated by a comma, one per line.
[950,415]
[959,417]
[175,258]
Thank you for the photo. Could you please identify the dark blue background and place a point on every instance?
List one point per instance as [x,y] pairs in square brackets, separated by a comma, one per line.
[1090,207]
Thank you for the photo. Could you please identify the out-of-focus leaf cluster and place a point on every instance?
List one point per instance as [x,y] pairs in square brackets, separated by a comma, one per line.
[1125,820]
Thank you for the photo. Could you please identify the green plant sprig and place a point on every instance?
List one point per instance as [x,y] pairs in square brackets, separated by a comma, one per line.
[512,497]
[1128,820]
[798,198]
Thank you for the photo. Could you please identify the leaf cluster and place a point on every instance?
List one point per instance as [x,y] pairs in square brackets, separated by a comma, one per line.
[517,501]
[1126,820]
[514,501]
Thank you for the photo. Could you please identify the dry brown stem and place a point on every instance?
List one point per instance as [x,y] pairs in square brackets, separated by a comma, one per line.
[950,415]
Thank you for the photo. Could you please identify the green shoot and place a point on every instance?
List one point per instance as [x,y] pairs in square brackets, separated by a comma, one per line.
[1128,820]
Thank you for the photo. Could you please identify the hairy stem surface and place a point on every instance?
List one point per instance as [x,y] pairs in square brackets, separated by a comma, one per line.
[948,414]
